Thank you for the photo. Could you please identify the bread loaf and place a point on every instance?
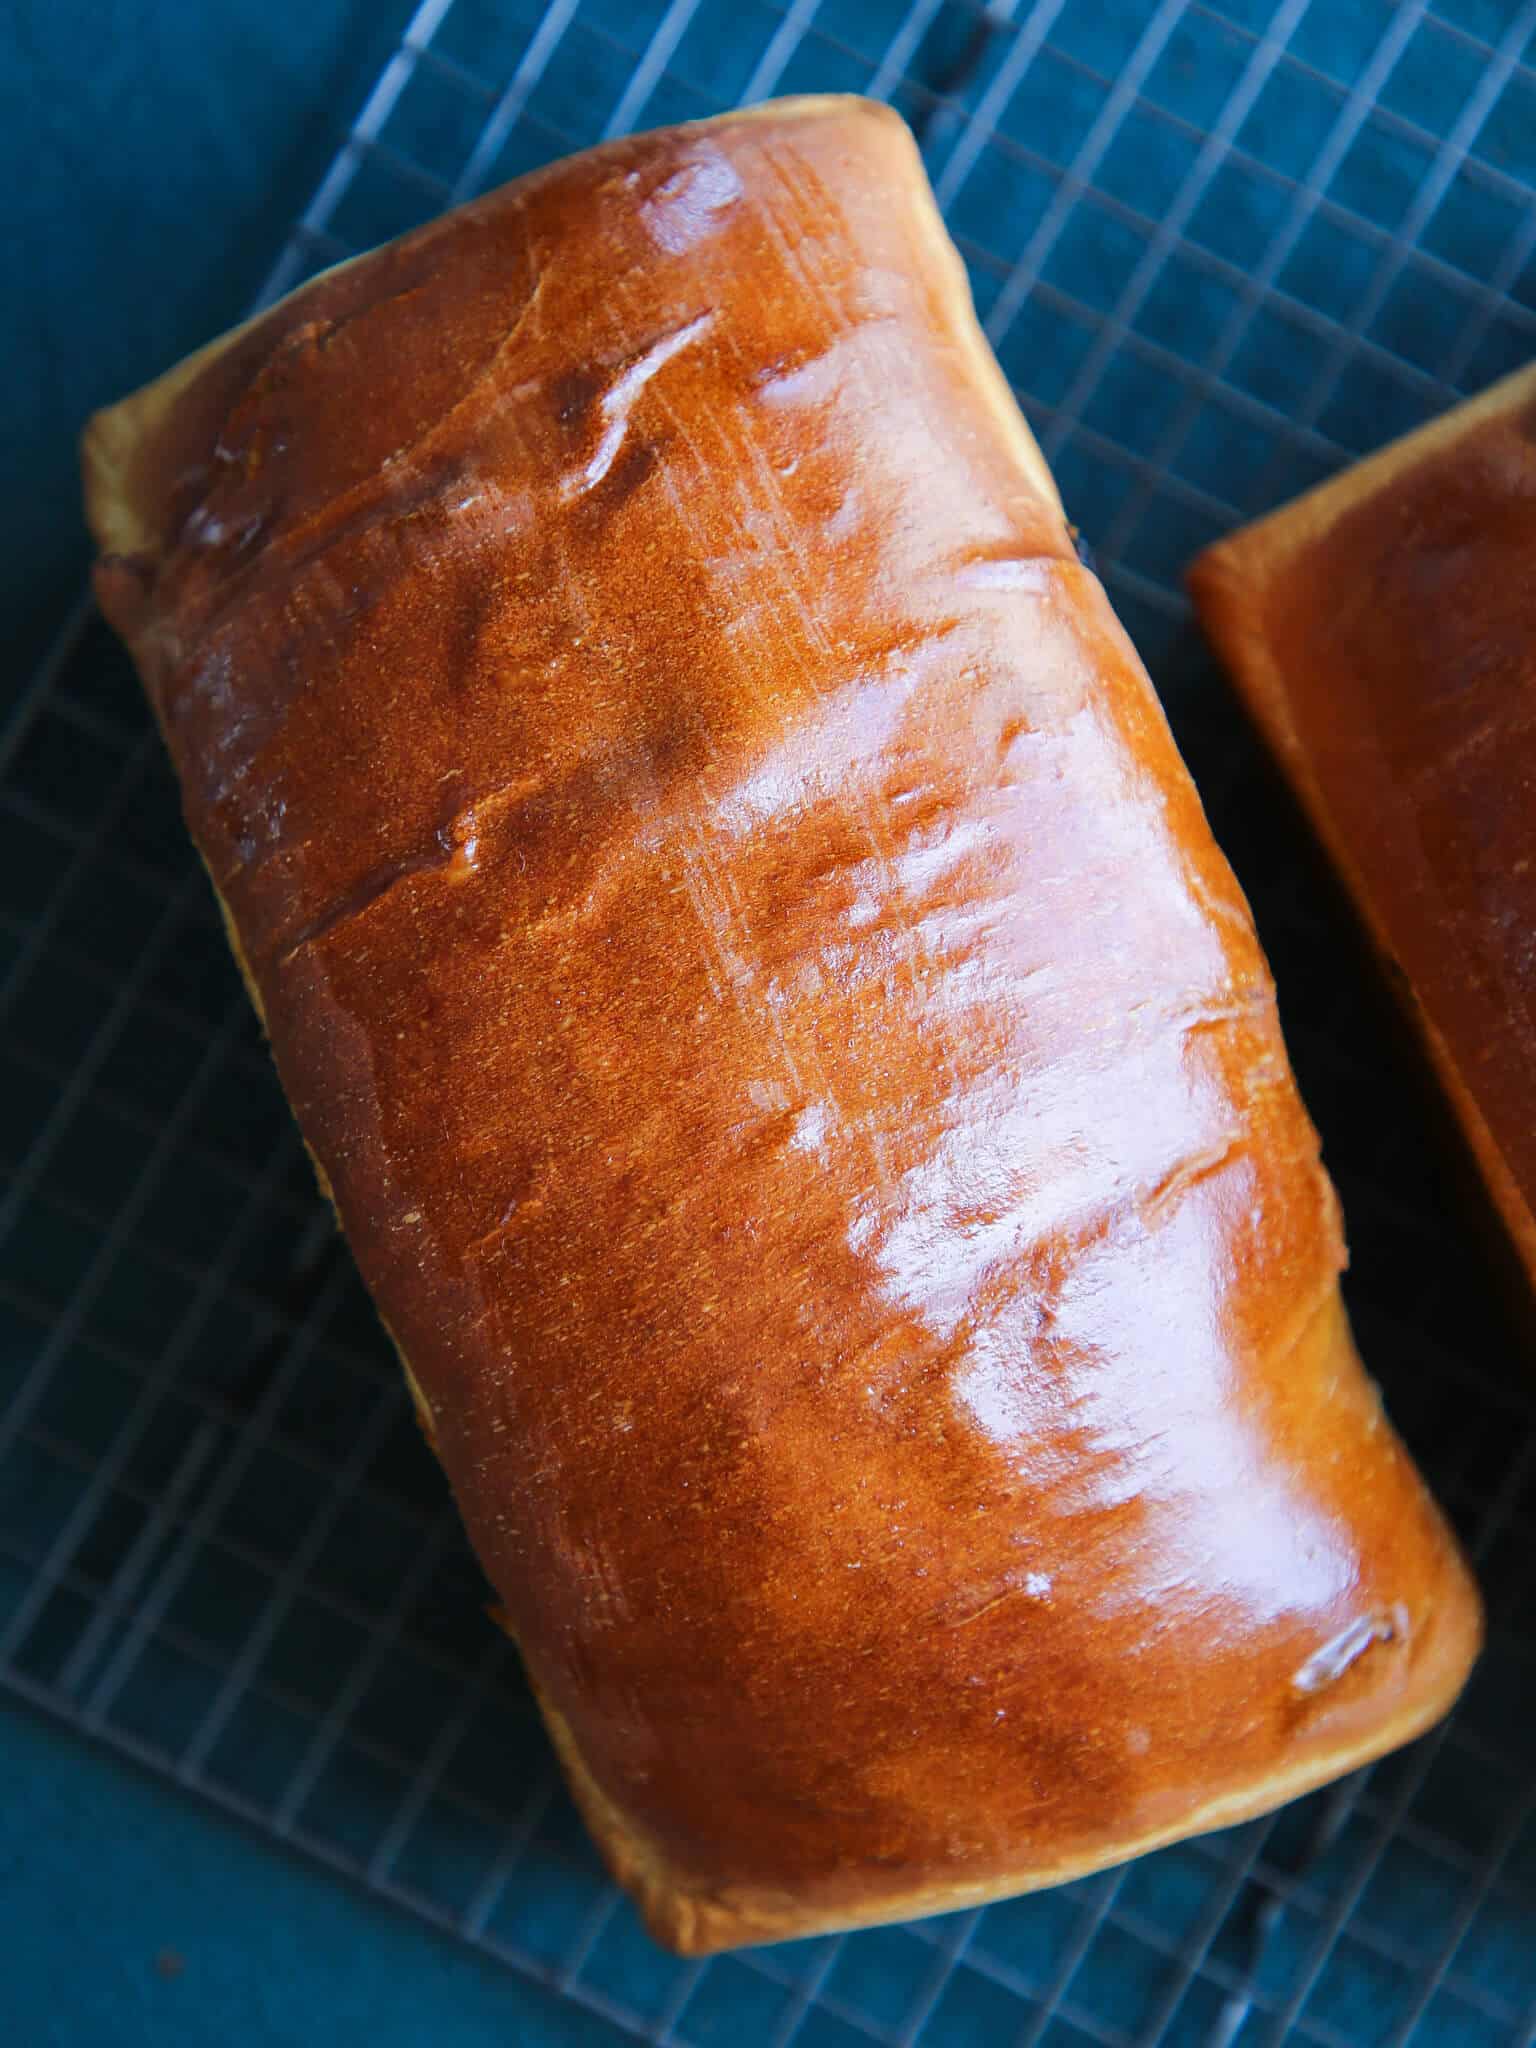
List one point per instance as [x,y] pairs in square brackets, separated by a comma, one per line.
[794,1069]
[1382,630]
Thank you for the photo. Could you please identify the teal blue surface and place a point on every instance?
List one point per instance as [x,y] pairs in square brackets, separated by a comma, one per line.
[135,1919]
[152,154]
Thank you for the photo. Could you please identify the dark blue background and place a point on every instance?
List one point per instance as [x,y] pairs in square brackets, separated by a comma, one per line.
[152,155]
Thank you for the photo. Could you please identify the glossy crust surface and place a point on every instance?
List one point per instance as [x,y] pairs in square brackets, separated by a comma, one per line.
[1383,632]
[796,1073]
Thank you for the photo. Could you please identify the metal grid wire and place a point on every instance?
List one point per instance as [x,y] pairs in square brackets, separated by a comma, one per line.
[1221,249]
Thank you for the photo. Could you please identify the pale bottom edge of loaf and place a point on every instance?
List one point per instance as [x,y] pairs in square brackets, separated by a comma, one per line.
[695,1919]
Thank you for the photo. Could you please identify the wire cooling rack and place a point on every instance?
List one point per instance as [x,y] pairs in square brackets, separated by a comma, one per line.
[1221,250]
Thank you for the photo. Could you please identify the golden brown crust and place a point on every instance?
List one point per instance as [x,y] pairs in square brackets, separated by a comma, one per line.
[1382,630]
[796,1074]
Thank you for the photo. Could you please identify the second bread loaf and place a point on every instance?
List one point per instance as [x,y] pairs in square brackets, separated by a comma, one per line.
[1382,630]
